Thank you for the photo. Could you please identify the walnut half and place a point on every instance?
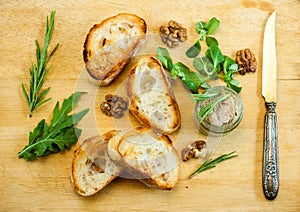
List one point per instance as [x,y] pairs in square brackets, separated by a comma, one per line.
[196,149]
[114,106]
[246,61]
[172,33]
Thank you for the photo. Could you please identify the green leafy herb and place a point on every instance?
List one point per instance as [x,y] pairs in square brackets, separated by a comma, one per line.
[214,61]
[205,67]
[212,25]
[203,29]
[192,80]
[164,57]
[35,95]
[203,96]
[59,135]
[194,50]
[209,163]
[211,40]
[209,107]
[216,55]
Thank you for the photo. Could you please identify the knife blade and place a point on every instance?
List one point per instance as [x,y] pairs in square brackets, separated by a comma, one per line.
[270,169]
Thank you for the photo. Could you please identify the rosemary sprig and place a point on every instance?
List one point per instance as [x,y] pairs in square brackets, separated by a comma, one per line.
[35,95]
[209,163]
[208,109]
[201,97]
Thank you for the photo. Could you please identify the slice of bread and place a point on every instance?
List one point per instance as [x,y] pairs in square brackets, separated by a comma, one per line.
[148,157]
[92,168]
[152,100]
[110,45]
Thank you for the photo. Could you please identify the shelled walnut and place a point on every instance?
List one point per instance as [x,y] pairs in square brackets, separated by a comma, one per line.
[114,106]
[172,33]
[246,61]
[195,149]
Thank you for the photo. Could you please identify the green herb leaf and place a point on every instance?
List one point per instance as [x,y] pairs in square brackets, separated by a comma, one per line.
[164,57]
[194,50]
[205,85]
[35,95]
[200,27]
[212,25]
[234,84]
[209,107]
[203,96]
[215,55]
[191,79]
[211,40]
[205,67]
[211,163]
[61,134]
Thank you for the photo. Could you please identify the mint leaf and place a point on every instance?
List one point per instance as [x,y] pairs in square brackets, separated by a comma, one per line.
[61,134]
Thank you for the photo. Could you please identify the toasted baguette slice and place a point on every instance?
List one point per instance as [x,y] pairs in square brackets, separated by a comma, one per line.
[148,157]
[152,100]
[110,45]
[92,168]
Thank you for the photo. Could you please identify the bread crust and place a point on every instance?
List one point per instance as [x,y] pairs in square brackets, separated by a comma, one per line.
[143,171]
[90,171]
[103,56]
[165,88]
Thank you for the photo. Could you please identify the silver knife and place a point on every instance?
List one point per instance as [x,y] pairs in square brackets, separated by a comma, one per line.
[270,169]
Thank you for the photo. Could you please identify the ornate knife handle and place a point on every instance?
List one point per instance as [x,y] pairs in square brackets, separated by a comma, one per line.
[270,172]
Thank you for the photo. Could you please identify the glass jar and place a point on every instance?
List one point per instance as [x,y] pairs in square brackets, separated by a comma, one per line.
[225,116]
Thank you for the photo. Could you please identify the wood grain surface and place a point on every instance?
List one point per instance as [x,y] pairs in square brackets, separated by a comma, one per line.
[235,185]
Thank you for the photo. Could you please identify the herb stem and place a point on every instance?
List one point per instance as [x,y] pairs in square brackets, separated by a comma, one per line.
[209,163]
[35,95]
[208,109]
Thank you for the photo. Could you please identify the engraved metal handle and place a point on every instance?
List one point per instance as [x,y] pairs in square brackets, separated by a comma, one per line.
[270,172]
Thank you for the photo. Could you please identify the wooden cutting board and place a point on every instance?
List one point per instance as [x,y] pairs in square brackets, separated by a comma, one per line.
[235,185]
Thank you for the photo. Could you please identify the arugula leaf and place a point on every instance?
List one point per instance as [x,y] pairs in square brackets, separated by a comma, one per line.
[194,50]
[61,134]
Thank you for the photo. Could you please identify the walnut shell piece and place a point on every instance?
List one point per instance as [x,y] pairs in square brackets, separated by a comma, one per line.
[172,33]
[246,61]
[196,149]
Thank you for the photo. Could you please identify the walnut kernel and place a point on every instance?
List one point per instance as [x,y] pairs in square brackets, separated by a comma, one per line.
[246,61]
[172,33]
[114,106]
[196,149]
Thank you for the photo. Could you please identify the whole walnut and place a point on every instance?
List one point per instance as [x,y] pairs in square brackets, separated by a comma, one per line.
[172,33]
[246,61]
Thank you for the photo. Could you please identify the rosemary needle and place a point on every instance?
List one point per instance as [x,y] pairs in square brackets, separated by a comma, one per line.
[209,163]
[35,95]
[208,109]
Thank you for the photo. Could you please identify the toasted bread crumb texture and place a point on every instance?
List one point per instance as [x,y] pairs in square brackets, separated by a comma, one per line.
[91,168]
[110,44]
[152,158]
[152,99]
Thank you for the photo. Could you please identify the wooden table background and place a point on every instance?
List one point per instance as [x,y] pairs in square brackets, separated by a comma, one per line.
[44,185]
